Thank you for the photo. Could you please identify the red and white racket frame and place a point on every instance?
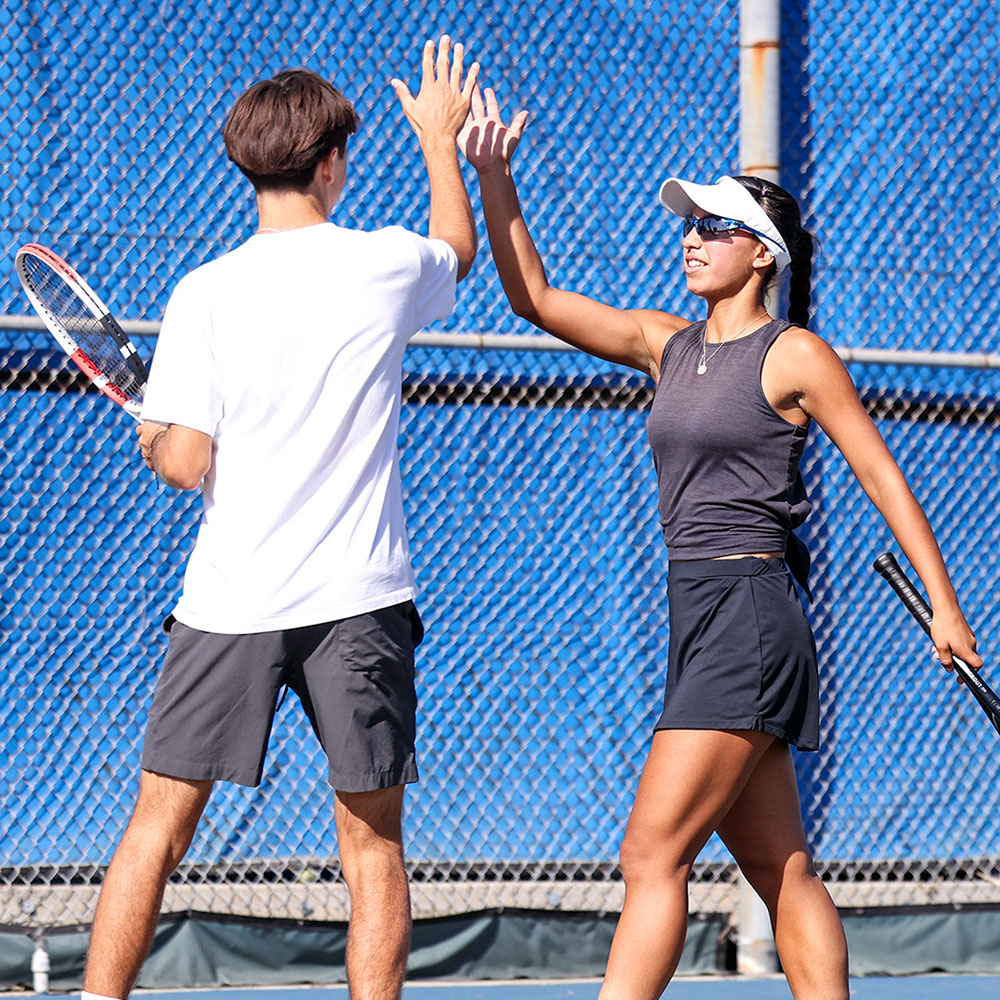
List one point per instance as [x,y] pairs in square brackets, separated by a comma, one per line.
[92,301]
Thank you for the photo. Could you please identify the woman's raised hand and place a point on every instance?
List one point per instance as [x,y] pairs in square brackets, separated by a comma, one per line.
[484,140]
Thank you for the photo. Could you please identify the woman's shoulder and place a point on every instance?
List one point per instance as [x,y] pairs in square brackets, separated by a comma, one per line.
[805,363]
[657,322]
[659,329]
[801,346]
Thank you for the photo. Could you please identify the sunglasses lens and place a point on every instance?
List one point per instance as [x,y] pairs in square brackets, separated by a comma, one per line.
[711,225]
[718,226]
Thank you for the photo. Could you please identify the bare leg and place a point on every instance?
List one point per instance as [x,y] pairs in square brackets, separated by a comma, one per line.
[763,830]
[690,781]
[369,832]
[157,837]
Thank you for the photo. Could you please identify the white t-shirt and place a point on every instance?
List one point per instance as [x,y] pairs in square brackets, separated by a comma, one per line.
[288,352]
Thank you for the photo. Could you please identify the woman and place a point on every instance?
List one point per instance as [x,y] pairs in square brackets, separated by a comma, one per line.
[735,396]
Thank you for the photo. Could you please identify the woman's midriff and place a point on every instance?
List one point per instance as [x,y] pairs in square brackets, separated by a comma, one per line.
[753,555]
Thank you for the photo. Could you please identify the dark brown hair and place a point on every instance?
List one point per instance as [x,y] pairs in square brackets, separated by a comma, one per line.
[281,128]
[783,210]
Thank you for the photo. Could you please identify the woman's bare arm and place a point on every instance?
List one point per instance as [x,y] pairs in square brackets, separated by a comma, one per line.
[821,386]
[634,337]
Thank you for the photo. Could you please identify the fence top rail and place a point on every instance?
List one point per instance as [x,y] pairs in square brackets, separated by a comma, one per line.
[544,342]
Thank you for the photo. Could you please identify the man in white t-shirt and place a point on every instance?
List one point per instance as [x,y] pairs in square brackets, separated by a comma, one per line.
[276,388]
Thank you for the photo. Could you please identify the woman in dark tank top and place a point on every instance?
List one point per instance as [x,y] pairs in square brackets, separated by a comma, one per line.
[735,395]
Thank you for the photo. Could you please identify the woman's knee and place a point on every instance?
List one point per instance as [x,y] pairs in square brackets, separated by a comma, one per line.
[646,858]
[769,876]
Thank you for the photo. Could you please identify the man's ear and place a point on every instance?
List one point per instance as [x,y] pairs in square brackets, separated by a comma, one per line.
[328,165]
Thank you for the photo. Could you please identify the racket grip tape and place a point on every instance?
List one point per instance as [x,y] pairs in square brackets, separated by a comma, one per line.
[887,566]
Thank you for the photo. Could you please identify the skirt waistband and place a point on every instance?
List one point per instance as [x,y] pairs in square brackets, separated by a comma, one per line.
[703,569]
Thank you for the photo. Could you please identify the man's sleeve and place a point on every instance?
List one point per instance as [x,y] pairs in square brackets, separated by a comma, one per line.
[184,385]
[435,292]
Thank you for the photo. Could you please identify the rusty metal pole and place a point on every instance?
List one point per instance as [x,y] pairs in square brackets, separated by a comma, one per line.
[760,130]
[760,23]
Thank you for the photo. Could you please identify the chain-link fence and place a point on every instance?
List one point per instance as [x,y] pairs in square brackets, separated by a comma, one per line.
[531,505]
[529,491]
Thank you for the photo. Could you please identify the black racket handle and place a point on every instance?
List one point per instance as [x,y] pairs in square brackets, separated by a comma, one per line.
[887,566]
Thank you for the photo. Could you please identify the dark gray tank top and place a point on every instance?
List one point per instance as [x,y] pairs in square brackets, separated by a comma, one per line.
[727,464]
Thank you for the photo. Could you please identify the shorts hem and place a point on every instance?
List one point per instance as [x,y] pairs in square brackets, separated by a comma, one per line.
[198,771]
[372,781]
[751,725]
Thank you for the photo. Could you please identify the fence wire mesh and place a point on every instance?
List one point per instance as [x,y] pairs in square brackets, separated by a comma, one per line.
[531,507]
[529,490]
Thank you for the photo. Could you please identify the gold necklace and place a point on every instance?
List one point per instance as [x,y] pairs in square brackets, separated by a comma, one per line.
[703,361]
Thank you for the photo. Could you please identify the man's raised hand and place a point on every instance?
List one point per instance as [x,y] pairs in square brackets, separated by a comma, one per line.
[441,106]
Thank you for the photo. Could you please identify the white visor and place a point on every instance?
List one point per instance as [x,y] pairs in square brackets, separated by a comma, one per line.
[729,199]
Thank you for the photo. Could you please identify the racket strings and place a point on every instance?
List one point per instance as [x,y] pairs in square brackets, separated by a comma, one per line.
[89,332]
[105,355]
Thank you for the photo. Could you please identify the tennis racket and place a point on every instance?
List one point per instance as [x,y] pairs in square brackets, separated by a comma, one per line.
[83,326]
[988,700]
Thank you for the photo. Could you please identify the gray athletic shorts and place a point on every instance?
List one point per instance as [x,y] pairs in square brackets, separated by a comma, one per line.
[217,695]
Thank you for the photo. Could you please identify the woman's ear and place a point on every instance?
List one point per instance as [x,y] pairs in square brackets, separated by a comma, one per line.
[763,258]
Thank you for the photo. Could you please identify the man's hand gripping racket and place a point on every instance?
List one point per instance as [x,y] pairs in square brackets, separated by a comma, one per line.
[988,700]
[83,326]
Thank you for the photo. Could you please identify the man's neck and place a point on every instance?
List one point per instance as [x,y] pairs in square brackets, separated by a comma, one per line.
[278,211]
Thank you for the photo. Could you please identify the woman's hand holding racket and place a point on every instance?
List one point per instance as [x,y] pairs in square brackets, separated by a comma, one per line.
[949,634]
[953,637]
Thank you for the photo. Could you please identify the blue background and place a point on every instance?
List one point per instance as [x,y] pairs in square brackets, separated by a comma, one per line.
[533,527]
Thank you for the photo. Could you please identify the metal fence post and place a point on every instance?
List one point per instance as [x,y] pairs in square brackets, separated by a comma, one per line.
[755,950]
[760,22]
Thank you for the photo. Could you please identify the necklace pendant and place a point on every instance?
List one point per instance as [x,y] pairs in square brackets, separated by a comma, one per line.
[702,368]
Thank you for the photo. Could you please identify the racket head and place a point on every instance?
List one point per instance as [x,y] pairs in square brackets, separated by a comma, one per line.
[82,326]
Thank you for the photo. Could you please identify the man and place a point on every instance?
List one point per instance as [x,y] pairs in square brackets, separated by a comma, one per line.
[276,387]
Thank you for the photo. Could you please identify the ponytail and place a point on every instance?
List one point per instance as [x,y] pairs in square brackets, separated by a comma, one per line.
[783,210]
[800,285]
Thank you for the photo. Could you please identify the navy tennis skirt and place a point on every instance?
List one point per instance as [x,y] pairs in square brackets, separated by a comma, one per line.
[741,654]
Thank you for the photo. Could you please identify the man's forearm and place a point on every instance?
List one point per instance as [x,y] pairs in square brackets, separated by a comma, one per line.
[181,457]
[451,217]
[161,461]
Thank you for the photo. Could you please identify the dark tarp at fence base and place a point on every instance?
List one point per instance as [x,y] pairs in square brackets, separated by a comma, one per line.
[930,939]
[200,950]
